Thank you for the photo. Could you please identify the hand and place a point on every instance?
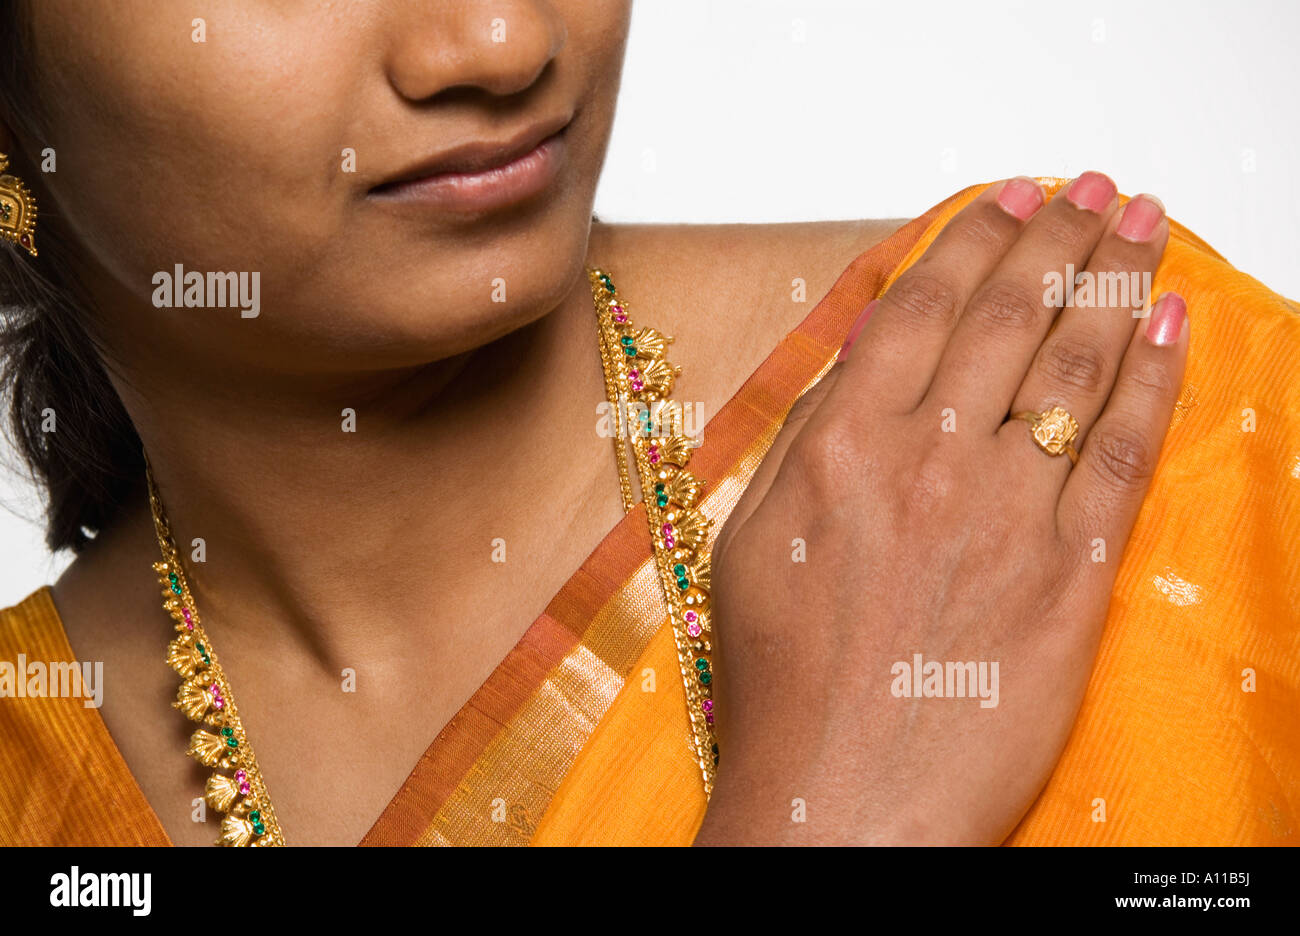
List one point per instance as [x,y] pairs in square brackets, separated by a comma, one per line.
[936,526]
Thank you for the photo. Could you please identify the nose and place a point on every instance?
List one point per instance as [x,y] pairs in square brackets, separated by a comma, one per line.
[500,46]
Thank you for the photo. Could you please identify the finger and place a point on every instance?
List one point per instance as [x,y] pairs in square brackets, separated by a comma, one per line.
[1005,321]
[896,354]
[1075,367]
[1102,496]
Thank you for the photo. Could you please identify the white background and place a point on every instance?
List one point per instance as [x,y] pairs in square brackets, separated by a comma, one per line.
[783,110]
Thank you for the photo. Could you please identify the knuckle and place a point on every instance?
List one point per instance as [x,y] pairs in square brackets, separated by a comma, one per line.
[1113,263]
[1147,379]
[1004,306]
[925,489]
[923,299]
[827,457]
[1076,364]
[1116,259]
[986,230]
[1064,231]
[1121,457]
[1119,282]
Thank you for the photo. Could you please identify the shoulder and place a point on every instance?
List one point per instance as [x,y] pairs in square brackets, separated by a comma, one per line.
[746,263]
[727,293]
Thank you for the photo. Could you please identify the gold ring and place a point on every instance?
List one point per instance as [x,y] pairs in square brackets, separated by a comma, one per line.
[1054,431]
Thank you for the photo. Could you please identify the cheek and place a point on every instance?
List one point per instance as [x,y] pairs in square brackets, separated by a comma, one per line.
[226,155]
[593,60]
[181,151]
[597,33]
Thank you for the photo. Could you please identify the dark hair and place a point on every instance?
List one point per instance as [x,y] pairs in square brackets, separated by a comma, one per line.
[49,360]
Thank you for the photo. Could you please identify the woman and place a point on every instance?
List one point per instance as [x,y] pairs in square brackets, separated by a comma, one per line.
[370,478]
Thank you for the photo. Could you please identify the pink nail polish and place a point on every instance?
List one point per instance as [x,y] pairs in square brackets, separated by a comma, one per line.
[1092,191]
[1167,317]
[856,329]
[1020,197]
[1140,217]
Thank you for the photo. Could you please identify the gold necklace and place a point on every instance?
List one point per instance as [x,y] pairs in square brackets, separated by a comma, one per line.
[236,787]
[635,371]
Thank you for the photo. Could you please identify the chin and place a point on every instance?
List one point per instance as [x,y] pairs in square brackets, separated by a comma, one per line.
[495,290]
[435,320]
[431,299]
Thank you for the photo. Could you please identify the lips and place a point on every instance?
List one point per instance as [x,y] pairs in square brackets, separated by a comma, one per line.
[476,157]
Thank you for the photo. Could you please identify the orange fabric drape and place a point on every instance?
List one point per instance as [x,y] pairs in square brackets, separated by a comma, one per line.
[1190,730]
[1188,734]
[62,780]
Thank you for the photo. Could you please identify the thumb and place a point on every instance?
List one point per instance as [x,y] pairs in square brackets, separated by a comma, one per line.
[794,421]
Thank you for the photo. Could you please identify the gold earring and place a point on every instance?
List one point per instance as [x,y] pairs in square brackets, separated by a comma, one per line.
[17,210]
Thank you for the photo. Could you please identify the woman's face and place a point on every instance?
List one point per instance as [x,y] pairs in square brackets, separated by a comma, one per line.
[232,155]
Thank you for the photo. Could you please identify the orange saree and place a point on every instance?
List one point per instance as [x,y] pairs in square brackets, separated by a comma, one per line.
[1189,732]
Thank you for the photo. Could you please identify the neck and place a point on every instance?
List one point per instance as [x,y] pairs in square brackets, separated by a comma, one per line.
[335,536]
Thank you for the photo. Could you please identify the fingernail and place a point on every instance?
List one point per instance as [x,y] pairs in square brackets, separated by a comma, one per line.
[856,329]
[1167,317]
[1020,197]
[1140,218]
[1092,191]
